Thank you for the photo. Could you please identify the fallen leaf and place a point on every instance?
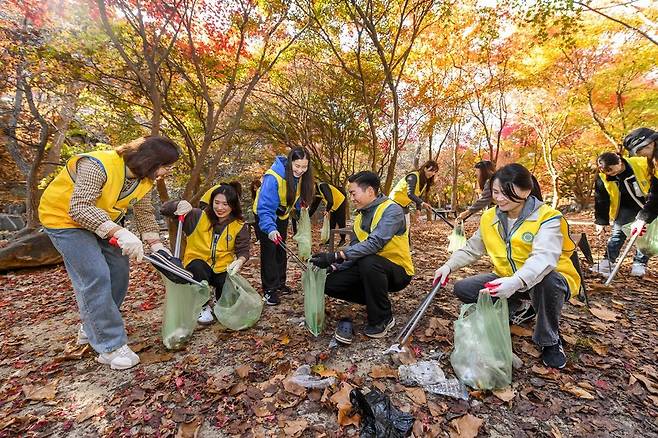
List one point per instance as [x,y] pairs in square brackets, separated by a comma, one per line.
[577,391]
[437,409]
[603,313]
[466,426]
[345,419]
[555,431]
[189,429]
[648,383]
[342,396]
[570,339]
[152,357]
[89,411]
[530,349]
[417,395]
[285,340]
[505,394]
[600,349]
[520,331]
[46,392]
[293,387]
[243,371]
[379,372]
[295,428]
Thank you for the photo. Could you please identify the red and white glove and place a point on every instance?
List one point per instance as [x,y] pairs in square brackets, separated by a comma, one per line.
[638,227]
[503,287]
[441,275]
[275,237]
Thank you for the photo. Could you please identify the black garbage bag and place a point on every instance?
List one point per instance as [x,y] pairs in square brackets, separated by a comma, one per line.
[379,418]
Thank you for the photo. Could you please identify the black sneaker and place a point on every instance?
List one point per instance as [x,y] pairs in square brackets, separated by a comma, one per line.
[379,330]
[284,290]
[524,313]
[271,298]
[554,356]
[344,331]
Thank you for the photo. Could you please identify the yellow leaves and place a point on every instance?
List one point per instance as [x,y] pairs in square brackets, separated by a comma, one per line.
[342,401]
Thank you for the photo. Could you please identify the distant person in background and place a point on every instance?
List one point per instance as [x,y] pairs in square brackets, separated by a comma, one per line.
[485,170]
[415,188]
[335,205]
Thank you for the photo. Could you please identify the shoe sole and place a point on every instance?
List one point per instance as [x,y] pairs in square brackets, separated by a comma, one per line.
[100,360]
[384,332]
[206,322]
[271,304]
[342,340]
[557,368]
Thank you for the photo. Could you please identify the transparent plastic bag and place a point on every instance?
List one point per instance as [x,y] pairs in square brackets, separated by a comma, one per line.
[482,357]
[324,232]
[183,302]
[647,243]
[457,238]
[313,281]
[303,236]
[240,305]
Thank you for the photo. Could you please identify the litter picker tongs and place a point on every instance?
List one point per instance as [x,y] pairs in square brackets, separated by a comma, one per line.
[413,321]
[292,254]
[437,213]
[621,258]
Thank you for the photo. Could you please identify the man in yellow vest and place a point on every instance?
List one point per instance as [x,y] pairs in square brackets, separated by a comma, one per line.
[529,246]
[378,260]
[620,193]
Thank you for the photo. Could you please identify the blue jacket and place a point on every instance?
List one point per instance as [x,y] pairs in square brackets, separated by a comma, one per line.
[268,199]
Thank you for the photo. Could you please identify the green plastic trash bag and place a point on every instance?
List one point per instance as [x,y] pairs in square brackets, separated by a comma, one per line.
[482,357]
[324,232]
[313,280]
[457,239]
[240,305]
[303,236]
[647,243]
[183,302]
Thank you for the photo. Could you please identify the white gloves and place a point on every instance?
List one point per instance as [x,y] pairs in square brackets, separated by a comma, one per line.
[503,287]
[158,246]
[235,266]
[183,208]
[130,244]
[639,226]
[441,275]
[275,237]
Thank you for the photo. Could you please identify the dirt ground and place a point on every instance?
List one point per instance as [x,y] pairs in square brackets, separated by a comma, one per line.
[236,383]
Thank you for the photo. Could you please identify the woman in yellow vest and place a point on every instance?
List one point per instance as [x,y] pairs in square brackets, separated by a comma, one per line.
[217,239]
[377,261]
[620,192]
[286,186]
[529,246]
[81,209]
[415,188]
[643,143]
[335,206]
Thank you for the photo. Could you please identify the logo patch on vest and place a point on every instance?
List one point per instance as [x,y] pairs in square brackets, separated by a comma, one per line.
[229,238]
[527,237]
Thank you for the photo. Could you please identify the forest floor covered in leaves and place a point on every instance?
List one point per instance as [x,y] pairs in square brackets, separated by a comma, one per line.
[236,383]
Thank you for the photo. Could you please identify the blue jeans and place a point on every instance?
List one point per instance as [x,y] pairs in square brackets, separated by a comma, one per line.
[616,241]
[99,274]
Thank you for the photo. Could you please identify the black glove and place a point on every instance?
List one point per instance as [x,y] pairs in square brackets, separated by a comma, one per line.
[326,259]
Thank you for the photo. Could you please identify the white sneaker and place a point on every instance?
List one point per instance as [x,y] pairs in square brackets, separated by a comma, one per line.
[120,359]
[638,270]
[82,336]
[603,267]
[205,316]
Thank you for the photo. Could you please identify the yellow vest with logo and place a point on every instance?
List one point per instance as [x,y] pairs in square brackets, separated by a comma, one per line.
[218,251]
[337,196]
[283,192]
[400,192]
[640,168]
[509,258]
[397,249]
[56,199]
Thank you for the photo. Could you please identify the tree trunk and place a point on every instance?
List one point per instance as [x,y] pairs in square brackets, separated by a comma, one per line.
[65,116]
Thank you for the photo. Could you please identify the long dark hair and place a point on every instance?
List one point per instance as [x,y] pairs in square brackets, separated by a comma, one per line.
[487,169]
[516,175]
[231,191]
[308,186]
[253,187]
[145,155]
[422,180]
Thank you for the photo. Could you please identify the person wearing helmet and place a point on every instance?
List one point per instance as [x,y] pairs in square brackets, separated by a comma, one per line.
[641,142]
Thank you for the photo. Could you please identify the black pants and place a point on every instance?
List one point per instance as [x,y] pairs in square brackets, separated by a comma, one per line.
[368,282]
[201,271]
[273,258]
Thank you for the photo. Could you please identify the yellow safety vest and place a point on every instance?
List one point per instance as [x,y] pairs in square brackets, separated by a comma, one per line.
[217,250]
[400,192]
[640,168]
[397,249]
[508,258]
[336,194]
[56,199]
[283,192]
[206,196]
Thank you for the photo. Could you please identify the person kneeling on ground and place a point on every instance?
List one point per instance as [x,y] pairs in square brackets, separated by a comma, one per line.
[378,260]
[217,239]
[529,246]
